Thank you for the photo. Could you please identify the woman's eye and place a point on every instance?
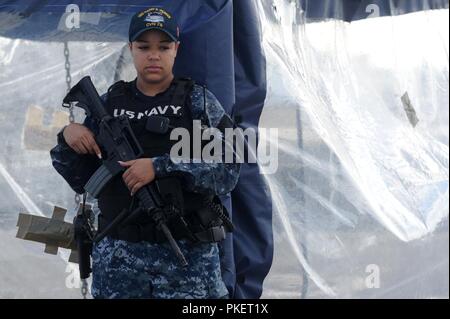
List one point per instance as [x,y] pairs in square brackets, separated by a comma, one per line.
[143,48]
[164,48]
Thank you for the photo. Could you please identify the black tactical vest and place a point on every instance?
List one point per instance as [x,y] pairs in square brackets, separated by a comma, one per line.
[199,217]
[203,216]
[124,99]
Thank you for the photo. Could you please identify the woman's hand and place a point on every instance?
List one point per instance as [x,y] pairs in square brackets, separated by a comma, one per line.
[140,172]
[81,139]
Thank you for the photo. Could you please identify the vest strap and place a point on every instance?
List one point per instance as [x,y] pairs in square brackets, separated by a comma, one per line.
[183,87]
[118,89]
[136,233]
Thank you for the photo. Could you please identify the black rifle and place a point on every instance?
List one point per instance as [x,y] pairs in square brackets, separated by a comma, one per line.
[84,235]
[118,143]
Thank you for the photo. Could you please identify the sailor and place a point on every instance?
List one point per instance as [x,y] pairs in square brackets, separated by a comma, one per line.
[135,261]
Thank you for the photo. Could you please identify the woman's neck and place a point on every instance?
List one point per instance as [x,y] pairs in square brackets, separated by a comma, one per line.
[151,89]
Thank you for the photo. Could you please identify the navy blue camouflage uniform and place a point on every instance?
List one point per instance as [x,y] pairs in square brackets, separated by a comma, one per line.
[123,269]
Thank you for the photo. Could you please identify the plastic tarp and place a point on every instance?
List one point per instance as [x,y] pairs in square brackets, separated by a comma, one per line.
[358,93]
[361,191]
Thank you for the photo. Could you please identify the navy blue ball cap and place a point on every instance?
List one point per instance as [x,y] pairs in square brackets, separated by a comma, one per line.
[154,18]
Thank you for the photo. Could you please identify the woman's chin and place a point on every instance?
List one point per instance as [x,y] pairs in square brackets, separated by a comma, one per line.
[153,78]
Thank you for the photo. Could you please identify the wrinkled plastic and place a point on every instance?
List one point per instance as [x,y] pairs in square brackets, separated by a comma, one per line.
[360,196]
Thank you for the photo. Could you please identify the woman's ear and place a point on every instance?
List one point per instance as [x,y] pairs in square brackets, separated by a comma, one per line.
[130,45]
[177,45]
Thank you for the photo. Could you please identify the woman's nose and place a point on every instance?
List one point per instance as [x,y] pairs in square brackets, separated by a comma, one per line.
[153,56]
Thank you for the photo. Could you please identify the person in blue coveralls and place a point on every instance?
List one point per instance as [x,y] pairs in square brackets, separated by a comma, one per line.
[135,261]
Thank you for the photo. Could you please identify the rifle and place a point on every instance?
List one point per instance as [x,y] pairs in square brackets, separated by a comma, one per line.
[118,142]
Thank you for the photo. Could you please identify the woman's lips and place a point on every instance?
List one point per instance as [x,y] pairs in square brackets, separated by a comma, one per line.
[153,68]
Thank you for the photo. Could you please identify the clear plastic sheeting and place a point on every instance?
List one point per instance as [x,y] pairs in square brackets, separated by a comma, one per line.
[360,195]
[33,82]
[361,190]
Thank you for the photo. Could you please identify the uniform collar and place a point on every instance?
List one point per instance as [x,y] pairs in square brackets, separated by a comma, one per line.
[141,96]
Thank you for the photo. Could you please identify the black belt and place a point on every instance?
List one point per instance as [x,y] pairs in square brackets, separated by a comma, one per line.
[148,232]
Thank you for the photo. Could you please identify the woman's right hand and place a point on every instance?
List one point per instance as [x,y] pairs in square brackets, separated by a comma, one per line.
[81,139]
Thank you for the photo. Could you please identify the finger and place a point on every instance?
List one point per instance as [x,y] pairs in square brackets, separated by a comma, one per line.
[75,148]
[131,183]
[136,188]
[87,144]
[130,180]
[82,148]
[127,173]
[95,150]
[127,164]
